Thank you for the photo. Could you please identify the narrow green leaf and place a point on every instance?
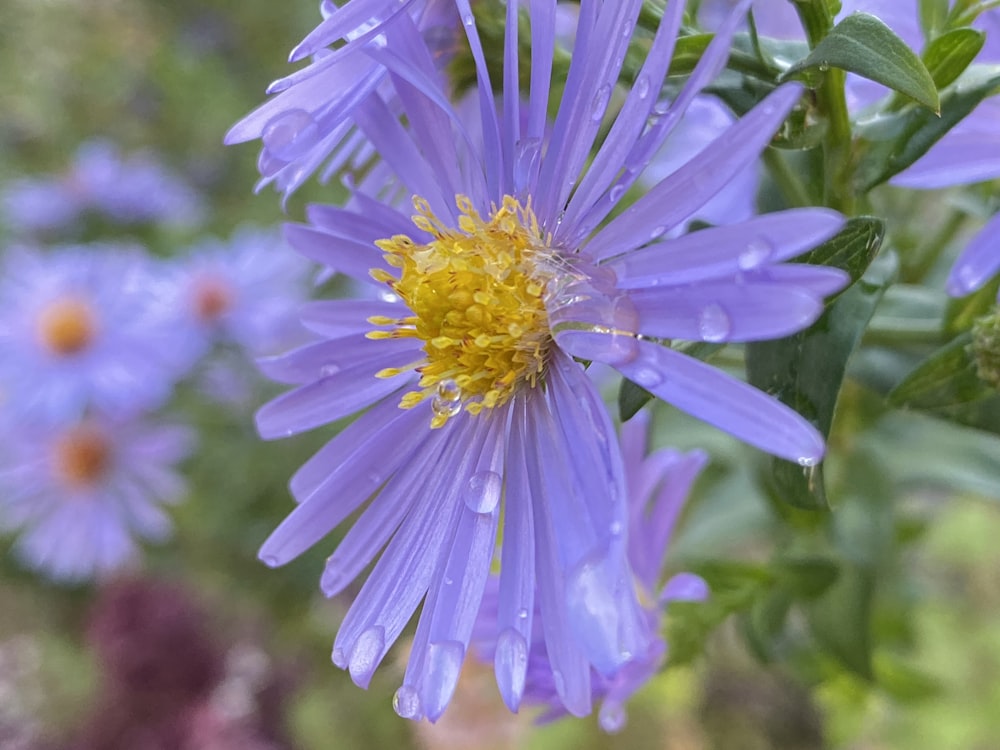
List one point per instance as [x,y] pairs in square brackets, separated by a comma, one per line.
[687,52]
[950,54]
[889,144]
[864,45]
[933,16]
[807,577]
[840,620]
[806,370]
[945,379]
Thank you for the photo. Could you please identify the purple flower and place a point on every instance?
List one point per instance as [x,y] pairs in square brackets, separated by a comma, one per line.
[39,204]
[133,189]
[245,291]
[507,276]
[658,486]
[84,326]
[80,494]
[127,190]
[308,120]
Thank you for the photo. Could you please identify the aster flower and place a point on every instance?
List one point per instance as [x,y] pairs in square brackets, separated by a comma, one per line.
[499,283]
[79,495]
[244,291]
[39,204]
[84,326]
[132,189]
[658,485]
[308,120]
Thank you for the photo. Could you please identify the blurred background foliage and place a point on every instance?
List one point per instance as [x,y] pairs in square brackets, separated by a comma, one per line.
[879,631]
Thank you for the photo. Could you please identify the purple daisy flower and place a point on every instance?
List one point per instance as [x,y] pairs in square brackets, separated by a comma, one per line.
[245,291]
[308,120]
[39,204]
[658,485]
[133,189]
[84,326]
[79,495]
[503,279]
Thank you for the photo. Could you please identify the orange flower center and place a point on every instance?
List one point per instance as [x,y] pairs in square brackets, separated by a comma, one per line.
[67,326]
[82,456]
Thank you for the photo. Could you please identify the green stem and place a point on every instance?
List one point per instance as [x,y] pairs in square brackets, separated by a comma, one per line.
[837,191]
[794,190]
[896,332]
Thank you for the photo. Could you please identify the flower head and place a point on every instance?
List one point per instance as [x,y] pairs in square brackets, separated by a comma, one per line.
[84,326]
[80,494]
[469,361]
[244,291]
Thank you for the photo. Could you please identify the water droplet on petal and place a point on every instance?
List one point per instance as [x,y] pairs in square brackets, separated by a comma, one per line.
[340,657]
[808,461]
[757,253]
[448,401]
[714,324]
[641,87]
[366,654]
[522,613]
[328,370]
[600,103]
[657,232]
[616,193]
[482,491]
[559,681]
[268,164]
[511,665]
[406,702]
[291,134]
[615,528]
[647,377]
[270,561]
[612,717]
[444,663]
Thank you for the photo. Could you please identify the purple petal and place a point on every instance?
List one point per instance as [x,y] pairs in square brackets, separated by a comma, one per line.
[979,262]
[723,251]
[681,194]
[712,396]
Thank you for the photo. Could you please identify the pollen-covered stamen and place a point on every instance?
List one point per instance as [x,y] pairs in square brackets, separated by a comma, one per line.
[477,297]
[212,298]
[67,326]
[82,456]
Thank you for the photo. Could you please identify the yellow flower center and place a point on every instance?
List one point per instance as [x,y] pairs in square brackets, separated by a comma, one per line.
[82,456]
[67,326]
[477,297]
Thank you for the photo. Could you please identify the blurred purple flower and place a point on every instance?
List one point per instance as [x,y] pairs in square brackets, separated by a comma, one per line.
[80,495]
[127,190]
[658,486]
[246,291]
[84,326]
[133,189]
[491,305]
[308,120]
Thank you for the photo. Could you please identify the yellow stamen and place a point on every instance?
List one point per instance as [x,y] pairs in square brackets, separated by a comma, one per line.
[67,326]
[477,297]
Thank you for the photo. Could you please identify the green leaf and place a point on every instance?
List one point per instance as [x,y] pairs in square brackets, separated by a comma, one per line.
[864,45]
[903,681]
[687,52]
[945,379]
[807,577]
[631,398]
[889,144]
[918,450]
[933,16]
[840,620]
[962,312]
[805,371]
[950,54]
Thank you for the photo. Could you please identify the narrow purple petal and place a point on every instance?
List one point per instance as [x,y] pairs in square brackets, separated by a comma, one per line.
[352,259]
[957,159]
[979,262]
[710,395]
[722,251]
[687,189]
[347,486]
[312,362]
[725,311]
[338,318]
